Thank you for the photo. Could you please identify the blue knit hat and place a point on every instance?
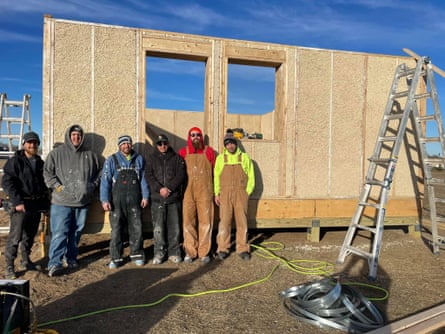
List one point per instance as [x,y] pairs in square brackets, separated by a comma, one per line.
[124,139]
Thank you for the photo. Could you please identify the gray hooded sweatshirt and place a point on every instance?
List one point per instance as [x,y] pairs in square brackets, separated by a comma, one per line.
[75,169]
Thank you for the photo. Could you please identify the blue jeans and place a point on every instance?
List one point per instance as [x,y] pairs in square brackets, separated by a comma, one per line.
[67,224]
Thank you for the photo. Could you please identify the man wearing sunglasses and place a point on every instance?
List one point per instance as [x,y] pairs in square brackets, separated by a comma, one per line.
[166,177]
[198,197]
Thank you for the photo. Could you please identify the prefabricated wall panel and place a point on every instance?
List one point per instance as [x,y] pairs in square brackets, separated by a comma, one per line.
[312,160]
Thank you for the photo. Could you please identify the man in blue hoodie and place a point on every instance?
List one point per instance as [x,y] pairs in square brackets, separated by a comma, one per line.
[72,173]
[124,193]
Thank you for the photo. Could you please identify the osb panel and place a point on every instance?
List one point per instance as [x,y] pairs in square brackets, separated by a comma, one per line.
[313,127]
[115,84]
[163,121]
[71,78]
[266,158]
[267,125]
[380,77]
[175,124]
[348,103]
[249,123]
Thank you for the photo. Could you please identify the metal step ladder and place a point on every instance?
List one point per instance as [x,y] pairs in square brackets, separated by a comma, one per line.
[371,209]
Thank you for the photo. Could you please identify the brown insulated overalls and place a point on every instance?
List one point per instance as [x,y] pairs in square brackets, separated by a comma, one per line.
[198,205]
[233,201]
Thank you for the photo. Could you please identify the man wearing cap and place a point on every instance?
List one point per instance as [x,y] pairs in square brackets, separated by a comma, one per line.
[71,171]
[28,197]
[198,206]
[234,183]
[124,193]
[166,176]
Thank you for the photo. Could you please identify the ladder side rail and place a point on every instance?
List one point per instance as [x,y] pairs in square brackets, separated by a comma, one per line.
[373,262]
[8,128]
[408,108]
[436,106]
[384,123]
[427,167]
[355,221]
[2,109]
[24,116]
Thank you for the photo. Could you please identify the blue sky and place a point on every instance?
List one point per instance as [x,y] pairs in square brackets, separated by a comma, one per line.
[374,26]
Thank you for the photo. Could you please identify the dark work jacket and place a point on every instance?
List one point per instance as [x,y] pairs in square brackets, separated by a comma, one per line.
[21,183]
[166,170]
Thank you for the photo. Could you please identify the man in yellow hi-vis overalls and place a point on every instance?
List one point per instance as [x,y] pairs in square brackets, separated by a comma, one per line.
[234,181]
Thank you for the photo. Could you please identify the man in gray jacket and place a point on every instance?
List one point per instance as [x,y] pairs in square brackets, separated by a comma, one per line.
[72,173]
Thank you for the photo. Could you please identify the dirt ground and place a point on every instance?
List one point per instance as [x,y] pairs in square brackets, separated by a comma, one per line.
[233,296]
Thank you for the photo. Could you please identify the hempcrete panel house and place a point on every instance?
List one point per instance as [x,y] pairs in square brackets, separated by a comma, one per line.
[312,160]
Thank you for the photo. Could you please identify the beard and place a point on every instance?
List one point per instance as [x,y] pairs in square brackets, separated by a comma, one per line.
[197,145]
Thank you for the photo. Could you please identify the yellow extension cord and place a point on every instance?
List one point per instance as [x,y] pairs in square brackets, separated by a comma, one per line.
[266,251]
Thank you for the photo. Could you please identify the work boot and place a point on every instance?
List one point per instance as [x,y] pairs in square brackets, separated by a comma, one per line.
[223,255]
[245,256]
[29,265]
[10,273]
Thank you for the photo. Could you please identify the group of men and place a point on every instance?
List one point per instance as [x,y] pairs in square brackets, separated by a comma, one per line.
[180,187]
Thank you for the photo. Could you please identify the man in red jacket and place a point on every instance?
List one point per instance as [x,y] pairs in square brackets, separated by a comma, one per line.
[198,197]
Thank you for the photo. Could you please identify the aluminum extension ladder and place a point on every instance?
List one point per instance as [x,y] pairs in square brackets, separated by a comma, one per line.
[15,120]
[383,162]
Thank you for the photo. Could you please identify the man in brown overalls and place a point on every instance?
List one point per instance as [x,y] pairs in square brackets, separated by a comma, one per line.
[198,197]
[234,183]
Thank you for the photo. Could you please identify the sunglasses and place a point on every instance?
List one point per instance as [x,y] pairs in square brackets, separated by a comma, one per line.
[193,135]
[162,143]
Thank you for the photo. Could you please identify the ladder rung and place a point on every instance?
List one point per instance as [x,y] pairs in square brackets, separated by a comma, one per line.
[377,206]
[13,119]
[381,161]
[436,182]
[439,219]
[366,228]
[358,251]
[10,136]
[439,200]
[407,72]
[422,96]
[400,94]
[375,182]
[11,103]
[393,116]
[434,161]
[429,139]
[426,118]
[390,138]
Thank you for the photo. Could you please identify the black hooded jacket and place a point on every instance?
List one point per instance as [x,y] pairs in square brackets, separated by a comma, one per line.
[21,183]
[166,170]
